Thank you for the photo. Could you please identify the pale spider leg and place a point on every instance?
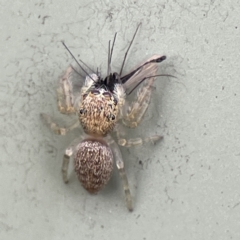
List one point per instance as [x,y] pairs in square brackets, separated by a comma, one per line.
[122,141]
[66,157]
[65,100]
[120,131]
[121,169]
[138,108]
[138,141]
[55,127]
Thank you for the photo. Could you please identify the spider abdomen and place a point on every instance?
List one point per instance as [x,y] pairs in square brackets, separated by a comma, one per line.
[93,164]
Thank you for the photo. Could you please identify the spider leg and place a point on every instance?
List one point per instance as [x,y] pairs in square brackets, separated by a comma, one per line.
[121,169]
[138,141]
[55,127]
[124,142]
[66,157]
[138,107]
[65,99]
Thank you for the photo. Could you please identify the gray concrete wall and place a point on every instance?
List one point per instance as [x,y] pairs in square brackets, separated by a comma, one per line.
[187,187]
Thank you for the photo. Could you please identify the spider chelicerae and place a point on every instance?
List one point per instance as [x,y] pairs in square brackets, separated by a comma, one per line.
[102,108]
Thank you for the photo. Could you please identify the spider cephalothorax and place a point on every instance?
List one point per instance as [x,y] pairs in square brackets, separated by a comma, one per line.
[98,112]
[98,107]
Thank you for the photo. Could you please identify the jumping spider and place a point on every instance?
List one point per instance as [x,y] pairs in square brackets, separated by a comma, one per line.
[101,106]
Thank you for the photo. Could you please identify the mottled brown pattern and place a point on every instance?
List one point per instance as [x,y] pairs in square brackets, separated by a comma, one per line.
[98,113]
[93,164]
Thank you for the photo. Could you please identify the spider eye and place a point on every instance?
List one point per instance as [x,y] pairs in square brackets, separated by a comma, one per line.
[111,117]
[81,111]
[84,96]
[95,92]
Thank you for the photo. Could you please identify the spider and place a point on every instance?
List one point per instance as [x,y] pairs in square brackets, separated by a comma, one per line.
[102,108]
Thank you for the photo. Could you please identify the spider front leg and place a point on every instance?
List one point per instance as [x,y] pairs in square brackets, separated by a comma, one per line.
[137,109]
[65,99]
[55,127]
[121,169]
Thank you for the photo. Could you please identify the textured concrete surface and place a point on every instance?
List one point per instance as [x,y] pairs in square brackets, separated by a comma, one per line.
[187,186]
